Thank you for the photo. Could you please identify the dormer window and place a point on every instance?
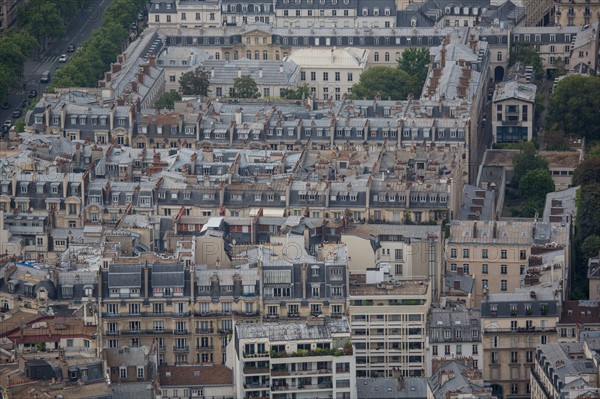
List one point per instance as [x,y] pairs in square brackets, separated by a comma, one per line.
[365,12]
[82,120]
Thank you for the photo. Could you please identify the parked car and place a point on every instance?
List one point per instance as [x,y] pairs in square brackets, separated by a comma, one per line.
[16,113]
[33,94]
[25,103]
[5,105]
[63,58]
[71,47]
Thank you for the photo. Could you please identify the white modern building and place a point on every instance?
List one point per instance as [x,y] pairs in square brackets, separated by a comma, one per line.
[389,324]
[301,360]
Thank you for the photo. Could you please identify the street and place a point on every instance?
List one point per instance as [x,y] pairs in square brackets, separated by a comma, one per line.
[77,32]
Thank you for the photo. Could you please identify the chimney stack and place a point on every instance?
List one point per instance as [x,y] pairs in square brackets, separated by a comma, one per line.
[260,72]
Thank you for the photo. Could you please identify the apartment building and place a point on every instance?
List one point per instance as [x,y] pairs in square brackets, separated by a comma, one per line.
[553,43]
[243,12]
[576,12]
[8,13]
[498,254]
[564,370]
[454,334]
[306,359]
[187,312]
[184,13]
[512,326]
[298,286]
[577,319]
[214,381]
[389,324]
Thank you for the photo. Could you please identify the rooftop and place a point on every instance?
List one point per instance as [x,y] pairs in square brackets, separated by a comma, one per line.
[195,375]
[293,331]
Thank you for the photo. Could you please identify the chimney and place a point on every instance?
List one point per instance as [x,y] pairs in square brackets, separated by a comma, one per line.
[281,68]
[303,279]
[152,60]
[140,78]
[475,230]
[146,280]
[114,68]
[239,72]
[260,72]
[212,72]
[120,58]
[494,231]
[443,56]
[146,69]
[134,86]
[107,76]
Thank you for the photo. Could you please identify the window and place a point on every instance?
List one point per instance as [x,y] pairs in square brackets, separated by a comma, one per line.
[504,254]
[475,349]
[503,269]
[140,372]
[453,253]
[514,388]
[503,285]
[337,76]
[484,284]
[350,77]
[484,269]
[325,76]
[484,253]
[466,253]
[123,373]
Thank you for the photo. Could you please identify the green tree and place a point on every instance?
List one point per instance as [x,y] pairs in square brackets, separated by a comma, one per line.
[574,105]
[535,184]
[415,62]
[384,82]
[588,211]
[593,152]
[590,246]
[298,94]
[167,100]
[587,172]
[42,19]
[245,87]
[528,55]
[195,83]
[527,160]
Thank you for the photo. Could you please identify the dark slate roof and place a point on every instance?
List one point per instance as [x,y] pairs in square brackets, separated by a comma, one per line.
[125,276]
[168,275]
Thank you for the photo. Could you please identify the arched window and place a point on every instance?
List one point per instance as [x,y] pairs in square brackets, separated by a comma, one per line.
[277,55]
[265,55]
[236,55]
[257,55]
[217,56]
[376,56]
[499,56]
[249,54]
[387,56]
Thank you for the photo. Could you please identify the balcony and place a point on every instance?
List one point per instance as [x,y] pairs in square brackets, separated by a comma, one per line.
[112,333]
[177,348]
[309,372]
[247,314]
[204,347]
[256,370]
[256,385]
[135,331]
[181,332]
[255,355]
[520,330]
[311,387]
[204,330]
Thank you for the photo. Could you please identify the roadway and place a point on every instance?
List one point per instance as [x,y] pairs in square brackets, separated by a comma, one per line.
[77,32]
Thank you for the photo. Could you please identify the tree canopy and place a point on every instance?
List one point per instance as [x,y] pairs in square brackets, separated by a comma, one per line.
[195,83]
[587,172]
[297,94]
[89,64]
[415,62]
[15,48]
[381,81]
[534,186]
[167,100]
[395,83]
[574,106]
[527,160]
[245,87]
